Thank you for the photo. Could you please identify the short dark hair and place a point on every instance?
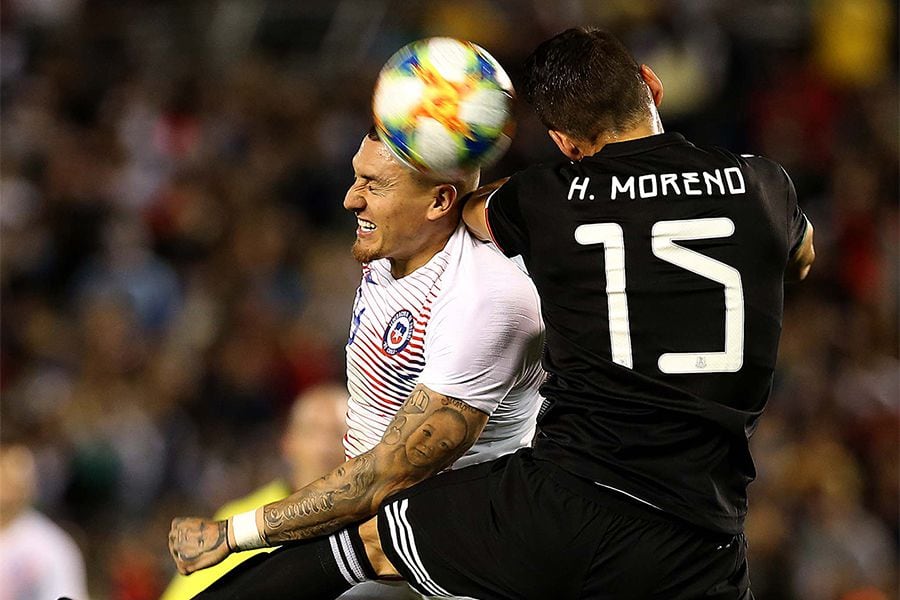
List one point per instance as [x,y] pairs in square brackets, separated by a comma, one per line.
[584,82]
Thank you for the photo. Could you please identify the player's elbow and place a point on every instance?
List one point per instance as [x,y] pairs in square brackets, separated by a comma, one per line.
[807,266]
[407,466]
[396,472]
[798,270]
[802,260]
[396,482]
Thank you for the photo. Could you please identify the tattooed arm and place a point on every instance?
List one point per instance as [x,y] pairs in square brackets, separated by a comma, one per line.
[428,434]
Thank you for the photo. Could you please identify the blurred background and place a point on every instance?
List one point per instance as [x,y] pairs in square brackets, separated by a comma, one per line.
[176,266]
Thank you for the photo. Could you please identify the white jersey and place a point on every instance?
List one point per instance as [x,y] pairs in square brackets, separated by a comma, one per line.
[38,559]
[466,324]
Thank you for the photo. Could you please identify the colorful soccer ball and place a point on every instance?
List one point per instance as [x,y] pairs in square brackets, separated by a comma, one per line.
[444,106]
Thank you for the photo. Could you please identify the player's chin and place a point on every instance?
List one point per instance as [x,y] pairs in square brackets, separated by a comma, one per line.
[364,251]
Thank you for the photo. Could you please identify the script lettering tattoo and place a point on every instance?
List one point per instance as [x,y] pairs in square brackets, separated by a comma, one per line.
[311,505]
[457,404]
[313,531]
[285,520]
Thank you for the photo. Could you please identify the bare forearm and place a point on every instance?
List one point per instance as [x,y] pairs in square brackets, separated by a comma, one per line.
[354,490]
[343,496]
[428,434]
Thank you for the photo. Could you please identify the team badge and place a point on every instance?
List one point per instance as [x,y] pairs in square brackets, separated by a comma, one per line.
[398,333]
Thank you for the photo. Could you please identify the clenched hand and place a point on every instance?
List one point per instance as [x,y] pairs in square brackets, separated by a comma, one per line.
[196,543]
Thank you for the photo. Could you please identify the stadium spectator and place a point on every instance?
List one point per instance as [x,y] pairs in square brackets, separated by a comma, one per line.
[38,559]
[310,446]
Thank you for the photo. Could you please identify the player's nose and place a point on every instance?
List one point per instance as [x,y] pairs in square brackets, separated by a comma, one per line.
[354,201]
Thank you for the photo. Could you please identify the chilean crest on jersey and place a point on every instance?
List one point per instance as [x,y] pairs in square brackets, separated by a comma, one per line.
[398,333]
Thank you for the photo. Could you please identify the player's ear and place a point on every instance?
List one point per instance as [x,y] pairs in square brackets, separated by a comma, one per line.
[653,82]
[444,198]
[568,146]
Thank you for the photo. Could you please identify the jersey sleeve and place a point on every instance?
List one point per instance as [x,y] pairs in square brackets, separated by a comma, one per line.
[796,219]
[780,200]
[504,218]
[478,343]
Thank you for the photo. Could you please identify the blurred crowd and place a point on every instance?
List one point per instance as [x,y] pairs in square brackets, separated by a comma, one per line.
[176,266]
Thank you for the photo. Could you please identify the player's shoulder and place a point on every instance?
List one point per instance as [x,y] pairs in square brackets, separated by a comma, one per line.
[763,175]
[484,276]
[539,175]
[763,164]
[487,262]
[763,167]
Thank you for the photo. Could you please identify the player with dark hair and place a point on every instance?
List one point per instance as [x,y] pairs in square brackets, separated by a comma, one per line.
[660,266]
[585,83]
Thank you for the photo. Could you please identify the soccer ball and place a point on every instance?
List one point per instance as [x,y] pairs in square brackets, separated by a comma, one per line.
[444,106]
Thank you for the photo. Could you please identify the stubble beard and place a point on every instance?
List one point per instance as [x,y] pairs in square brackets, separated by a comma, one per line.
[362,254]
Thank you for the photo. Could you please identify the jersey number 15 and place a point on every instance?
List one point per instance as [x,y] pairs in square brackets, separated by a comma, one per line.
[664,236]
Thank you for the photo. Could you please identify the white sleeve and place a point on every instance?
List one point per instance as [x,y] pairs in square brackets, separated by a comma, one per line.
[477,343]
[68,573]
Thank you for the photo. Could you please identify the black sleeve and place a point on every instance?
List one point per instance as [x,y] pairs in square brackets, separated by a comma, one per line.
[504,218]
[780,200]
[796,220]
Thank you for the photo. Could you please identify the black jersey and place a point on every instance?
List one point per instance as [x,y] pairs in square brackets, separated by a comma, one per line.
[660,268]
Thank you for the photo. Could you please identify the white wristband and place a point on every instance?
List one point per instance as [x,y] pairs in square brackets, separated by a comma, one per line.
[246,533]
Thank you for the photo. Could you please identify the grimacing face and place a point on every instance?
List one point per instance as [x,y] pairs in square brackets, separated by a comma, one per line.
[389,203]
[436,438]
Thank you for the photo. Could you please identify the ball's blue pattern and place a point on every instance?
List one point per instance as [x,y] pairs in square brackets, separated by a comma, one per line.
[398,138]
[409,64]
[472,143]
[486,69]
[478,146]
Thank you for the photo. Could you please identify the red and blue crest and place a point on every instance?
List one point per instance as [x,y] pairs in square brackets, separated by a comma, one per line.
[398,333]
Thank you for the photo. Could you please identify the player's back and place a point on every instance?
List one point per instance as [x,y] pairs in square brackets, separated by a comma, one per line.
[660,269]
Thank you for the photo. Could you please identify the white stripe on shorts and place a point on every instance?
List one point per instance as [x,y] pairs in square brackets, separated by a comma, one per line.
[404,542]
[401,545]
[352,559]
[339,559]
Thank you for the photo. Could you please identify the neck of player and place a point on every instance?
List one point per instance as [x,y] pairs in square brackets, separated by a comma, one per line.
[648,127]
[577,148]
[403,266]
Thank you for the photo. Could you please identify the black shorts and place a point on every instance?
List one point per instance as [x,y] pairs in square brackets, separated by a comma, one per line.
[522,528]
